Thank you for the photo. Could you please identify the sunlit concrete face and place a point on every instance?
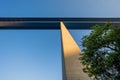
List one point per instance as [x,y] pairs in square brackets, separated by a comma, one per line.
[71,54]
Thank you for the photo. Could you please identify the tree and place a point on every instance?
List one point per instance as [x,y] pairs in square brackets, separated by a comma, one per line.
[101,52]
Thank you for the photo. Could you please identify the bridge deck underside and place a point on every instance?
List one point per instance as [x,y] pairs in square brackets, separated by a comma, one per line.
[54,23]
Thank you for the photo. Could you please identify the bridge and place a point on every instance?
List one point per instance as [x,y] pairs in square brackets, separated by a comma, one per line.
[54,23]
[71,66]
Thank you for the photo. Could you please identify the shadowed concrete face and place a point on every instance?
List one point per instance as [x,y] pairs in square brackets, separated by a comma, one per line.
[71,54]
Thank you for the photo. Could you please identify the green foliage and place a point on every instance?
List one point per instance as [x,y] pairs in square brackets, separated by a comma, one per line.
[101,56]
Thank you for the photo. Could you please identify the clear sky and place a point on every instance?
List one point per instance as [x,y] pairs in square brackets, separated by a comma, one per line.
[60,8]
[30,55]
[36,54]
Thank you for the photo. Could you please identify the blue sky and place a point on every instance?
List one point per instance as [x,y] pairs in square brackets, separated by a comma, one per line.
[59,8]
[30,55]
[36,54]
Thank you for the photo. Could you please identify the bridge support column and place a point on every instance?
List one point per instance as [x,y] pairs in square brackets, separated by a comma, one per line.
[71,66]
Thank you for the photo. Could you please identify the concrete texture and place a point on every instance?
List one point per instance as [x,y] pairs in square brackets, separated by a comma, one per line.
[71,54]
